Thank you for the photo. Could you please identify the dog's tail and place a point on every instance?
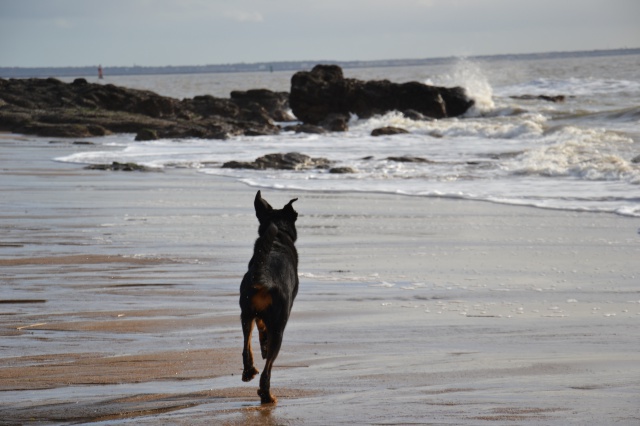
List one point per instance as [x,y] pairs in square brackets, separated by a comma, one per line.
[261,252]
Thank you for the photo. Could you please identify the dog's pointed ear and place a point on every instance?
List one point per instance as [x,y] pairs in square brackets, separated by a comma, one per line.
[289,209]
[290,203]
[261,206]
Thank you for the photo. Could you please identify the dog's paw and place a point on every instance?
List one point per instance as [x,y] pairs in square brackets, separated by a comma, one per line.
[266,397]
[249,374]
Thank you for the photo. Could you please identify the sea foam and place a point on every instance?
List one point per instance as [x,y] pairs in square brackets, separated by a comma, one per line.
[575,155]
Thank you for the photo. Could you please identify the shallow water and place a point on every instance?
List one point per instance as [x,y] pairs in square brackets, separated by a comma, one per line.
[411,309]
[579,155]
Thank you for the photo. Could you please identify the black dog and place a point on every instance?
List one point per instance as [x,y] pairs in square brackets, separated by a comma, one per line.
[268,288]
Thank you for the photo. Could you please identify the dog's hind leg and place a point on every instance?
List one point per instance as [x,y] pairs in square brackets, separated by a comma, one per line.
[249,371]
[274,341]
[262,332]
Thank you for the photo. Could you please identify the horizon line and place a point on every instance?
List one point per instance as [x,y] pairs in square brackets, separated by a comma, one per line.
[317,61]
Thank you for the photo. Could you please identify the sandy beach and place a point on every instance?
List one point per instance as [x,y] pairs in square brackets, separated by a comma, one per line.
[118,304]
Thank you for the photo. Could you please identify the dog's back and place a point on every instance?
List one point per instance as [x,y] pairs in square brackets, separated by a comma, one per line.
[269,287]
[274,264]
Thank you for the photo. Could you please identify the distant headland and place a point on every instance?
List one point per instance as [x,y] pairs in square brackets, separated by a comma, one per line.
[89,71]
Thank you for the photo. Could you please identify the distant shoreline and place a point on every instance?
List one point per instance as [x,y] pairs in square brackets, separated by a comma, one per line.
[88,71]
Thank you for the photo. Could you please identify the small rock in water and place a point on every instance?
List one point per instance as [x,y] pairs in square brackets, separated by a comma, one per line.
[342,170]
[278,161]
[409,159]
[119,167]
[305,128]
[147,135]
[548,98]
[412,114]
[387,131]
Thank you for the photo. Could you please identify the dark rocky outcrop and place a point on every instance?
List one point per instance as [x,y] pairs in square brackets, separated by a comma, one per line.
[323,91]
[288,161]
[275,104]
[335,123]
[147,135]
[49,107]
[386,131]
[321,98]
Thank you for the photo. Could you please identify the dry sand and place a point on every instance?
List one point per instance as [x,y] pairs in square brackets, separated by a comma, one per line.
[118,304]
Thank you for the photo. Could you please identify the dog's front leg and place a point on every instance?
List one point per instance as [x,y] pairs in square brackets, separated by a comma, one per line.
[249,371]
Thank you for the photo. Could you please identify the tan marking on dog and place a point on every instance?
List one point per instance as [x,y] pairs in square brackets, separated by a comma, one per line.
[262,299]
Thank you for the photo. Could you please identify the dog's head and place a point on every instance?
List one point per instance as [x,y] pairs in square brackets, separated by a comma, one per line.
[284,219]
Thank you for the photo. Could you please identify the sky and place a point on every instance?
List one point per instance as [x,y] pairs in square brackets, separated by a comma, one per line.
[54,33]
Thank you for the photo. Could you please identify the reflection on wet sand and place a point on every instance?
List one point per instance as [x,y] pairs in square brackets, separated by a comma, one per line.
[119,304]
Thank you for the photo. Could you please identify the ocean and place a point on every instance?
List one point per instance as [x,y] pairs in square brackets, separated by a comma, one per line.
[119,290]
[582,154]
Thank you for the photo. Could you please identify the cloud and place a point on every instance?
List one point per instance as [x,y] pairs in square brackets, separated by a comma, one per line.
[244,16]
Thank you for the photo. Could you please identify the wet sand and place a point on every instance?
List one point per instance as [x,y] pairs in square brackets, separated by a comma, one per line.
[118,304]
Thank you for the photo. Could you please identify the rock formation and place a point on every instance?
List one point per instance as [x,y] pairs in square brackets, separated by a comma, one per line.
[324,92]
[322,98]
[49,107]
[548,98]
[388,131]
[288,161]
